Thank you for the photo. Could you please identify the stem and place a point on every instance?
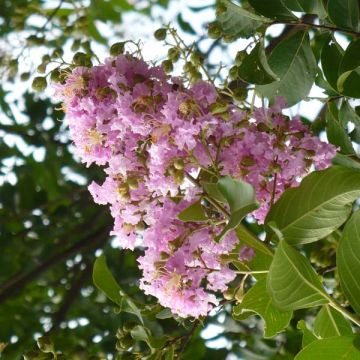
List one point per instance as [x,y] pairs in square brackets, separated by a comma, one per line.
[344,312]
[318,26]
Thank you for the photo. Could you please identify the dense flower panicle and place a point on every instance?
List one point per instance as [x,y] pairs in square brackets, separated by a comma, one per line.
[149,132]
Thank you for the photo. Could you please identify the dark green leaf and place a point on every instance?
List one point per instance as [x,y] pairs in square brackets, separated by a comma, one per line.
[344,13]
[331,57]
[294,63]
[336,131]
[185,25]
[318,206]
[274,9]
[348,83]
[292,282]
[348,261]
[255,69]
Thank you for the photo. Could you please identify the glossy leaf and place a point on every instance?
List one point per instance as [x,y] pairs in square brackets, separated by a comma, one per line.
[294,63]
[318,206]
[195,212]
[348,261]
[140,333]
[348,83]
[331,57]
[308,336]
[255,68]
[330,322]
[292,282]
[340,347]
[258,301]
[344,13]
[105,281]
[336,131]
[274,9]
[241,199]
[238,22]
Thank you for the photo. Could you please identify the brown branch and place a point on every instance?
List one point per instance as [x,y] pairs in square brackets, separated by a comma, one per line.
[80,278]
[317,26]
[18,282]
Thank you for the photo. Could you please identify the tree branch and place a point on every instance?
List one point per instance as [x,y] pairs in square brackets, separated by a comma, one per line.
[80,278]
[17,283]
[317,26]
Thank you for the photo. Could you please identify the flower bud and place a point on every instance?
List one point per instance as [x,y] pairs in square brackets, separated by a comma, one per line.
[45,344]
[117,48]
[39,83]
[174,54]
[25,76]
[179,164]
[160,34]
[214,30]
[167,65]
[234,73]
[240,56]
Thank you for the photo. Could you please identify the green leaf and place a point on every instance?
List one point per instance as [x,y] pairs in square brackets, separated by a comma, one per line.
[195,212]
[348,261]
[241,199]
[238,22]
[309,7]
[345,160]
[258,301]
[308,336]
[331,57]
[330,322]
[335,130]
[336,348]
[351,58]
[344,13]
[294,63]
[348,83]
[318,206]
[105,281]
[292,282]
[140,333]
[255,69]
[213,191]
[185,25]
[274,9]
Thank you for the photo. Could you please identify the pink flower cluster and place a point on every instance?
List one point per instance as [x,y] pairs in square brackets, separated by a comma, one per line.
[150,133]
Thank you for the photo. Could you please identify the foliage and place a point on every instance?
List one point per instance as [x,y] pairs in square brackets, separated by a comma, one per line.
[297,296]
